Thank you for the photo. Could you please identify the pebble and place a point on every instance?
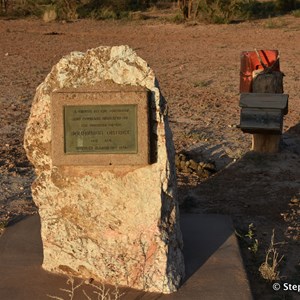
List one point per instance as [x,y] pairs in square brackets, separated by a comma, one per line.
[193,165]
[203,173]
[295,200]
[182,164]
[209,166]
[89,281]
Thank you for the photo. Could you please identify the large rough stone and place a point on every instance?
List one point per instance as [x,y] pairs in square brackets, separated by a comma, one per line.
[118,225]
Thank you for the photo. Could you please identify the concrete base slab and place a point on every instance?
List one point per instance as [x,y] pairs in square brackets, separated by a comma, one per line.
[214,268]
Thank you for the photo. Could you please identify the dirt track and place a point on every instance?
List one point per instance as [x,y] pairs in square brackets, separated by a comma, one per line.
[198,70]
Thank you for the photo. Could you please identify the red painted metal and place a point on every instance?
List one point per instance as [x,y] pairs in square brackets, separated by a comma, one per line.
[250,62]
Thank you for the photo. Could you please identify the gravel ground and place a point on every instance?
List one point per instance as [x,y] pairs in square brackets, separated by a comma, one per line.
[198,70]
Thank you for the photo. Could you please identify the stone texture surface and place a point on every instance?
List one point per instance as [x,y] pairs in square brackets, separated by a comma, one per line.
[117,225]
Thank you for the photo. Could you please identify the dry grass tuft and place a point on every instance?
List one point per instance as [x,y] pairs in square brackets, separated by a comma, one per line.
[269,268]
[100,292]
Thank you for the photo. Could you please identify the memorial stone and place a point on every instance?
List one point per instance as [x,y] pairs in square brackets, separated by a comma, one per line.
[99,139]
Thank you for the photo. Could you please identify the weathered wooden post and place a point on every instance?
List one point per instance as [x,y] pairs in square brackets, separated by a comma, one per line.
[262,100]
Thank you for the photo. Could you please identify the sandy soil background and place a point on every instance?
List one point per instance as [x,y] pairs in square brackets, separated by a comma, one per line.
[198,71]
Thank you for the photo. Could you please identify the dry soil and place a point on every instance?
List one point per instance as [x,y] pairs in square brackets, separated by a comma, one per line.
[198,70]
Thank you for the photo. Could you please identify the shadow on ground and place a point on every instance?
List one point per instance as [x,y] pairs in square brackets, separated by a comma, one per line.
[259,189]
[211,254]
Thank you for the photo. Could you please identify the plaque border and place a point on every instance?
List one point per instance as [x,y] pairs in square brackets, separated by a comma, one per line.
[62,98]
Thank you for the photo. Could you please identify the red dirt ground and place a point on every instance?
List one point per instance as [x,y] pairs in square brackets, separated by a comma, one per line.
[198,70]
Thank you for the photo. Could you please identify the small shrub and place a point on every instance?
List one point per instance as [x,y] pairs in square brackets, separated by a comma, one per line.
[3,224]
[103,14]
[275,23]
[253,9]
[224,11]
[26,8]
[285,5]
[135,15]
[67,9]
[113,9]
[296,13]
[249,239]
[50,14]
[4,6]
[178,18]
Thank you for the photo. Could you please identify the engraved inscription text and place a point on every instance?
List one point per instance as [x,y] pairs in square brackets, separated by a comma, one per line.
[100,129]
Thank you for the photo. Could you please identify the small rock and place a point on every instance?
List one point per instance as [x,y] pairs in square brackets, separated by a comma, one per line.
[193,165]
[186,170]
[182,165]
[203,173]
[182,157]
[210,166]
[89,281]
[295,200]
[201,165]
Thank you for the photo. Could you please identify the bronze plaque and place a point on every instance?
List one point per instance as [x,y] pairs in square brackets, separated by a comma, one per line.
[100,129]
[103,125]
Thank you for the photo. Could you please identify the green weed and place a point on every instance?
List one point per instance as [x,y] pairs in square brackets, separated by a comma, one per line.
[249,238]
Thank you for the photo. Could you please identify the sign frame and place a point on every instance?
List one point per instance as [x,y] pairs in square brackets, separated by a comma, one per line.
[140,97]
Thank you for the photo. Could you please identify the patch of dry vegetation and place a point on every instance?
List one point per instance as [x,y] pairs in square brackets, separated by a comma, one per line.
[269,269]
[99,292]
[211,11]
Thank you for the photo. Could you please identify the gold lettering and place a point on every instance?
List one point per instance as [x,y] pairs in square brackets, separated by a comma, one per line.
[118,132]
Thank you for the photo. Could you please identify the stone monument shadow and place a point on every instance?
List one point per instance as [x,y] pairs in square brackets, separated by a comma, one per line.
[291,139]
[203,235]
[21,257]
[22,245]
[247,187]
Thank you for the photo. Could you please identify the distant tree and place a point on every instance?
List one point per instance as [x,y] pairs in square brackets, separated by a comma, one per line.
[4,6]
[286,5]
[186,6]
[67,9]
